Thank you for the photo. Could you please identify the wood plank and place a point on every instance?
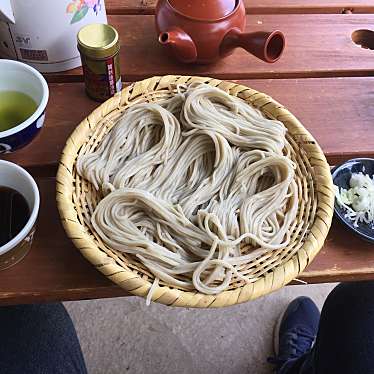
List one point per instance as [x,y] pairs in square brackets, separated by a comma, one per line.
[344,257]
[255,6]
[338,112]
[316,47]
[55,270]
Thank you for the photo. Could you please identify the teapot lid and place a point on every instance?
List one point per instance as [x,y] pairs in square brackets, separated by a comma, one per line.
[204,9]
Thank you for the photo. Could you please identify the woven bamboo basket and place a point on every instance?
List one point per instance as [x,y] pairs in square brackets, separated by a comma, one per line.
[76,198]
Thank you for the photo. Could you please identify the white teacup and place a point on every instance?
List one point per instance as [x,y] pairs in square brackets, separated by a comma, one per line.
[13,176]
[17,76]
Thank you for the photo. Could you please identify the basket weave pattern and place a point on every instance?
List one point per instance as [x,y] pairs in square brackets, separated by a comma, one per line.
[77,199]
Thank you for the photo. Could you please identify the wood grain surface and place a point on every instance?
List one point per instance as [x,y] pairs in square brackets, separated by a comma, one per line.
[315,47]
[255,6]
[338,112]
[55,270]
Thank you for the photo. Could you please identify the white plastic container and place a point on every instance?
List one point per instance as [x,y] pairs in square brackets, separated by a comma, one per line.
[43,33]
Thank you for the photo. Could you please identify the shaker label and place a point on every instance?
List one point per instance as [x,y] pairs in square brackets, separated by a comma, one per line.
[111,76]
[102,77]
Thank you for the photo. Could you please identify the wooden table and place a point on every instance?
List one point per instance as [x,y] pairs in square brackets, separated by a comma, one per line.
[324,78]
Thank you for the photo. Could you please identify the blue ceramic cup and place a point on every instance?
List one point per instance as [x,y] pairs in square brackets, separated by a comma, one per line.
[17,76]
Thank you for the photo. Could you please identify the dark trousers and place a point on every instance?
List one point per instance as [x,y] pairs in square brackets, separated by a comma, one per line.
[345,339]
[39,339]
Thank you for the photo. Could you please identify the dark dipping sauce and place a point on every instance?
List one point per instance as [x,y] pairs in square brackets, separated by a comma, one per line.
[14,214]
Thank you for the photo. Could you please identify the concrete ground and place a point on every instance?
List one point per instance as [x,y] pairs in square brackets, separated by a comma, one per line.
[123,335]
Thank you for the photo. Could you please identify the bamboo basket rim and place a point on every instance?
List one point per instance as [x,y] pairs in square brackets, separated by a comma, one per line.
[133,282]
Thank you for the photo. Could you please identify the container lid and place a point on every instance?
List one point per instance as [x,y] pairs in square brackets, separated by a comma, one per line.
[204,9]
[98,40]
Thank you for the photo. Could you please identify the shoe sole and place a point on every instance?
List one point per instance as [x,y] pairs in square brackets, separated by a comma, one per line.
[276,333]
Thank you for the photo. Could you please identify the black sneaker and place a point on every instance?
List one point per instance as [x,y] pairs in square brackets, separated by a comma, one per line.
[296,331]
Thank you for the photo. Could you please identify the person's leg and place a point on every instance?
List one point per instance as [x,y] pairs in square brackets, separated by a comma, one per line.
[39,338]
[345,339]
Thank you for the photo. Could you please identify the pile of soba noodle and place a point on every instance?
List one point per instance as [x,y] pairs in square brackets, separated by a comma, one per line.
[189,182]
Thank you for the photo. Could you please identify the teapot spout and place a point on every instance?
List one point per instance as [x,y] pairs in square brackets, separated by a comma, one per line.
[267,46]
[180,43]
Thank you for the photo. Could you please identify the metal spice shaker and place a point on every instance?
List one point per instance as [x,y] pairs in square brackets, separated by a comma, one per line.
[99,46]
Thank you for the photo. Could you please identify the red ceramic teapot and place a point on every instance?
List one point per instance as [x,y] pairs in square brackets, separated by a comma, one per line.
[203,31]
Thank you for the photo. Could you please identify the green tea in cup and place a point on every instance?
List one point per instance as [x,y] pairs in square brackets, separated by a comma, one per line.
[15,108]
[23,100]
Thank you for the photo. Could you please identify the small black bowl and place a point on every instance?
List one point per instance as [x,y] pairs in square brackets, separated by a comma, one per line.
[341,175]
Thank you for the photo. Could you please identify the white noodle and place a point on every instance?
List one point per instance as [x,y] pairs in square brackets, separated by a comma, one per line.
[188,183]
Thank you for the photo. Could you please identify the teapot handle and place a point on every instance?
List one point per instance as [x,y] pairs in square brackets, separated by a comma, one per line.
[6,11]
